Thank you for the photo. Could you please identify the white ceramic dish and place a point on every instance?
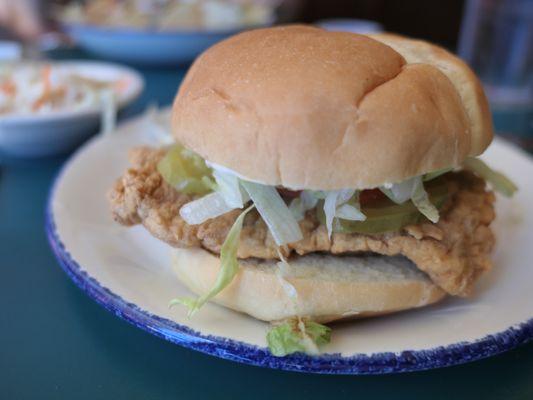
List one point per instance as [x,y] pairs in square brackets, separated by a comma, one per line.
[39,135]
[128,272]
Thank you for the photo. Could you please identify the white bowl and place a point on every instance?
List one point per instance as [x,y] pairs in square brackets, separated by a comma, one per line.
[37,135]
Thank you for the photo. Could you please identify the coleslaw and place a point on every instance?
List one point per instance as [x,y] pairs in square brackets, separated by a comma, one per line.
[44,88]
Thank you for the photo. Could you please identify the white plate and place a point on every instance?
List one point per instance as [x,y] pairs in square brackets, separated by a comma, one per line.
[128,271]
[37,135]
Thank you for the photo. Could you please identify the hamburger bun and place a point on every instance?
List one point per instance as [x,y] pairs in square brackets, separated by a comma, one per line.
[306,108]
[327,287]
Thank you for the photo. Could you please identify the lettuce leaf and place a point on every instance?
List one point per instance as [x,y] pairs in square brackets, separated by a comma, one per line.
[229,266]
[497,180]
[297,335]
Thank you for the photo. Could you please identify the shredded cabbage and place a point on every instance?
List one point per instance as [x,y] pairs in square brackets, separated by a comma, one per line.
[229,266]
[186,171]
[297,335]
[498,181]
[200,210]
[282,225]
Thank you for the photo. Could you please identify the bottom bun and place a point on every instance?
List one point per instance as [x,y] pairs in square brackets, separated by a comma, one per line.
[322,287]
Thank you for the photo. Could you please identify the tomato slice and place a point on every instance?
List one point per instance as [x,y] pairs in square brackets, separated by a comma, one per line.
[369,196]
[287,193]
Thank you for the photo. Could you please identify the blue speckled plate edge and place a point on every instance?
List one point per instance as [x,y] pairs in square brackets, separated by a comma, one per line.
[358,364]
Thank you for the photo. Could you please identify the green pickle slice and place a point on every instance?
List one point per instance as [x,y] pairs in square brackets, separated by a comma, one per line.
[186,171]
[386,216]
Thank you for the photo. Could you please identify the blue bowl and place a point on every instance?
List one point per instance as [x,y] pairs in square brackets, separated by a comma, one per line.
[145,47]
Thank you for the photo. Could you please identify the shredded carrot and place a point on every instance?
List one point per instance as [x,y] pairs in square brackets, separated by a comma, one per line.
[41,100]
[45,73]
[47,88]
[9,88]
[121,84]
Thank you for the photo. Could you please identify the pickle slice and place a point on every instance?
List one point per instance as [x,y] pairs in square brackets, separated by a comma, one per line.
[386,216]
[186,171]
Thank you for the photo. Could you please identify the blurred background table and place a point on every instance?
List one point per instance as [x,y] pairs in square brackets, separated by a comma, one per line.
[56,343]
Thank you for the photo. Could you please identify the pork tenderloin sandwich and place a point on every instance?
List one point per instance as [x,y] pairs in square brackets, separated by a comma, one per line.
[319,176]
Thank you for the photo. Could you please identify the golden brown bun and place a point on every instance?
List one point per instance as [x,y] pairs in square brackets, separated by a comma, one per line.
[328,287]
[302,107]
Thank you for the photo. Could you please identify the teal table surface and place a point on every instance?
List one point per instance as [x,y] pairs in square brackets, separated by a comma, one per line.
[56,343]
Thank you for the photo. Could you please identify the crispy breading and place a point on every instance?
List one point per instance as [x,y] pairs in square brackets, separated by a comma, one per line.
[453,252]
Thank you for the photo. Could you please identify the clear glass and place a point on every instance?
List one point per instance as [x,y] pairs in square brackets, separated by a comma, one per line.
[497,41]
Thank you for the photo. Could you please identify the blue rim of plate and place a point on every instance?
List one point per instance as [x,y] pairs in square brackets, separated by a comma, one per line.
[229,349]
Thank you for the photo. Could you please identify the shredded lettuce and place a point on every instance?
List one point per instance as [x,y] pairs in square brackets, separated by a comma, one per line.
[421,201]
[229,266]
[200,210]
[351,210]
[281,272]
[310,198]
[228,185]
[109,111]
[297,335]
[435,174]
[330,207]
[280,221]
[400,192]
[412,188]
[497,180]
[307,200]
[297,209]
[156,123]
[186,171]
[341,204]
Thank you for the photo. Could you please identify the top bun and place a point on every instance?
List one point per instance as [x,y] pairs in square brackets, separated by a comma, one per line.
[306,108]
